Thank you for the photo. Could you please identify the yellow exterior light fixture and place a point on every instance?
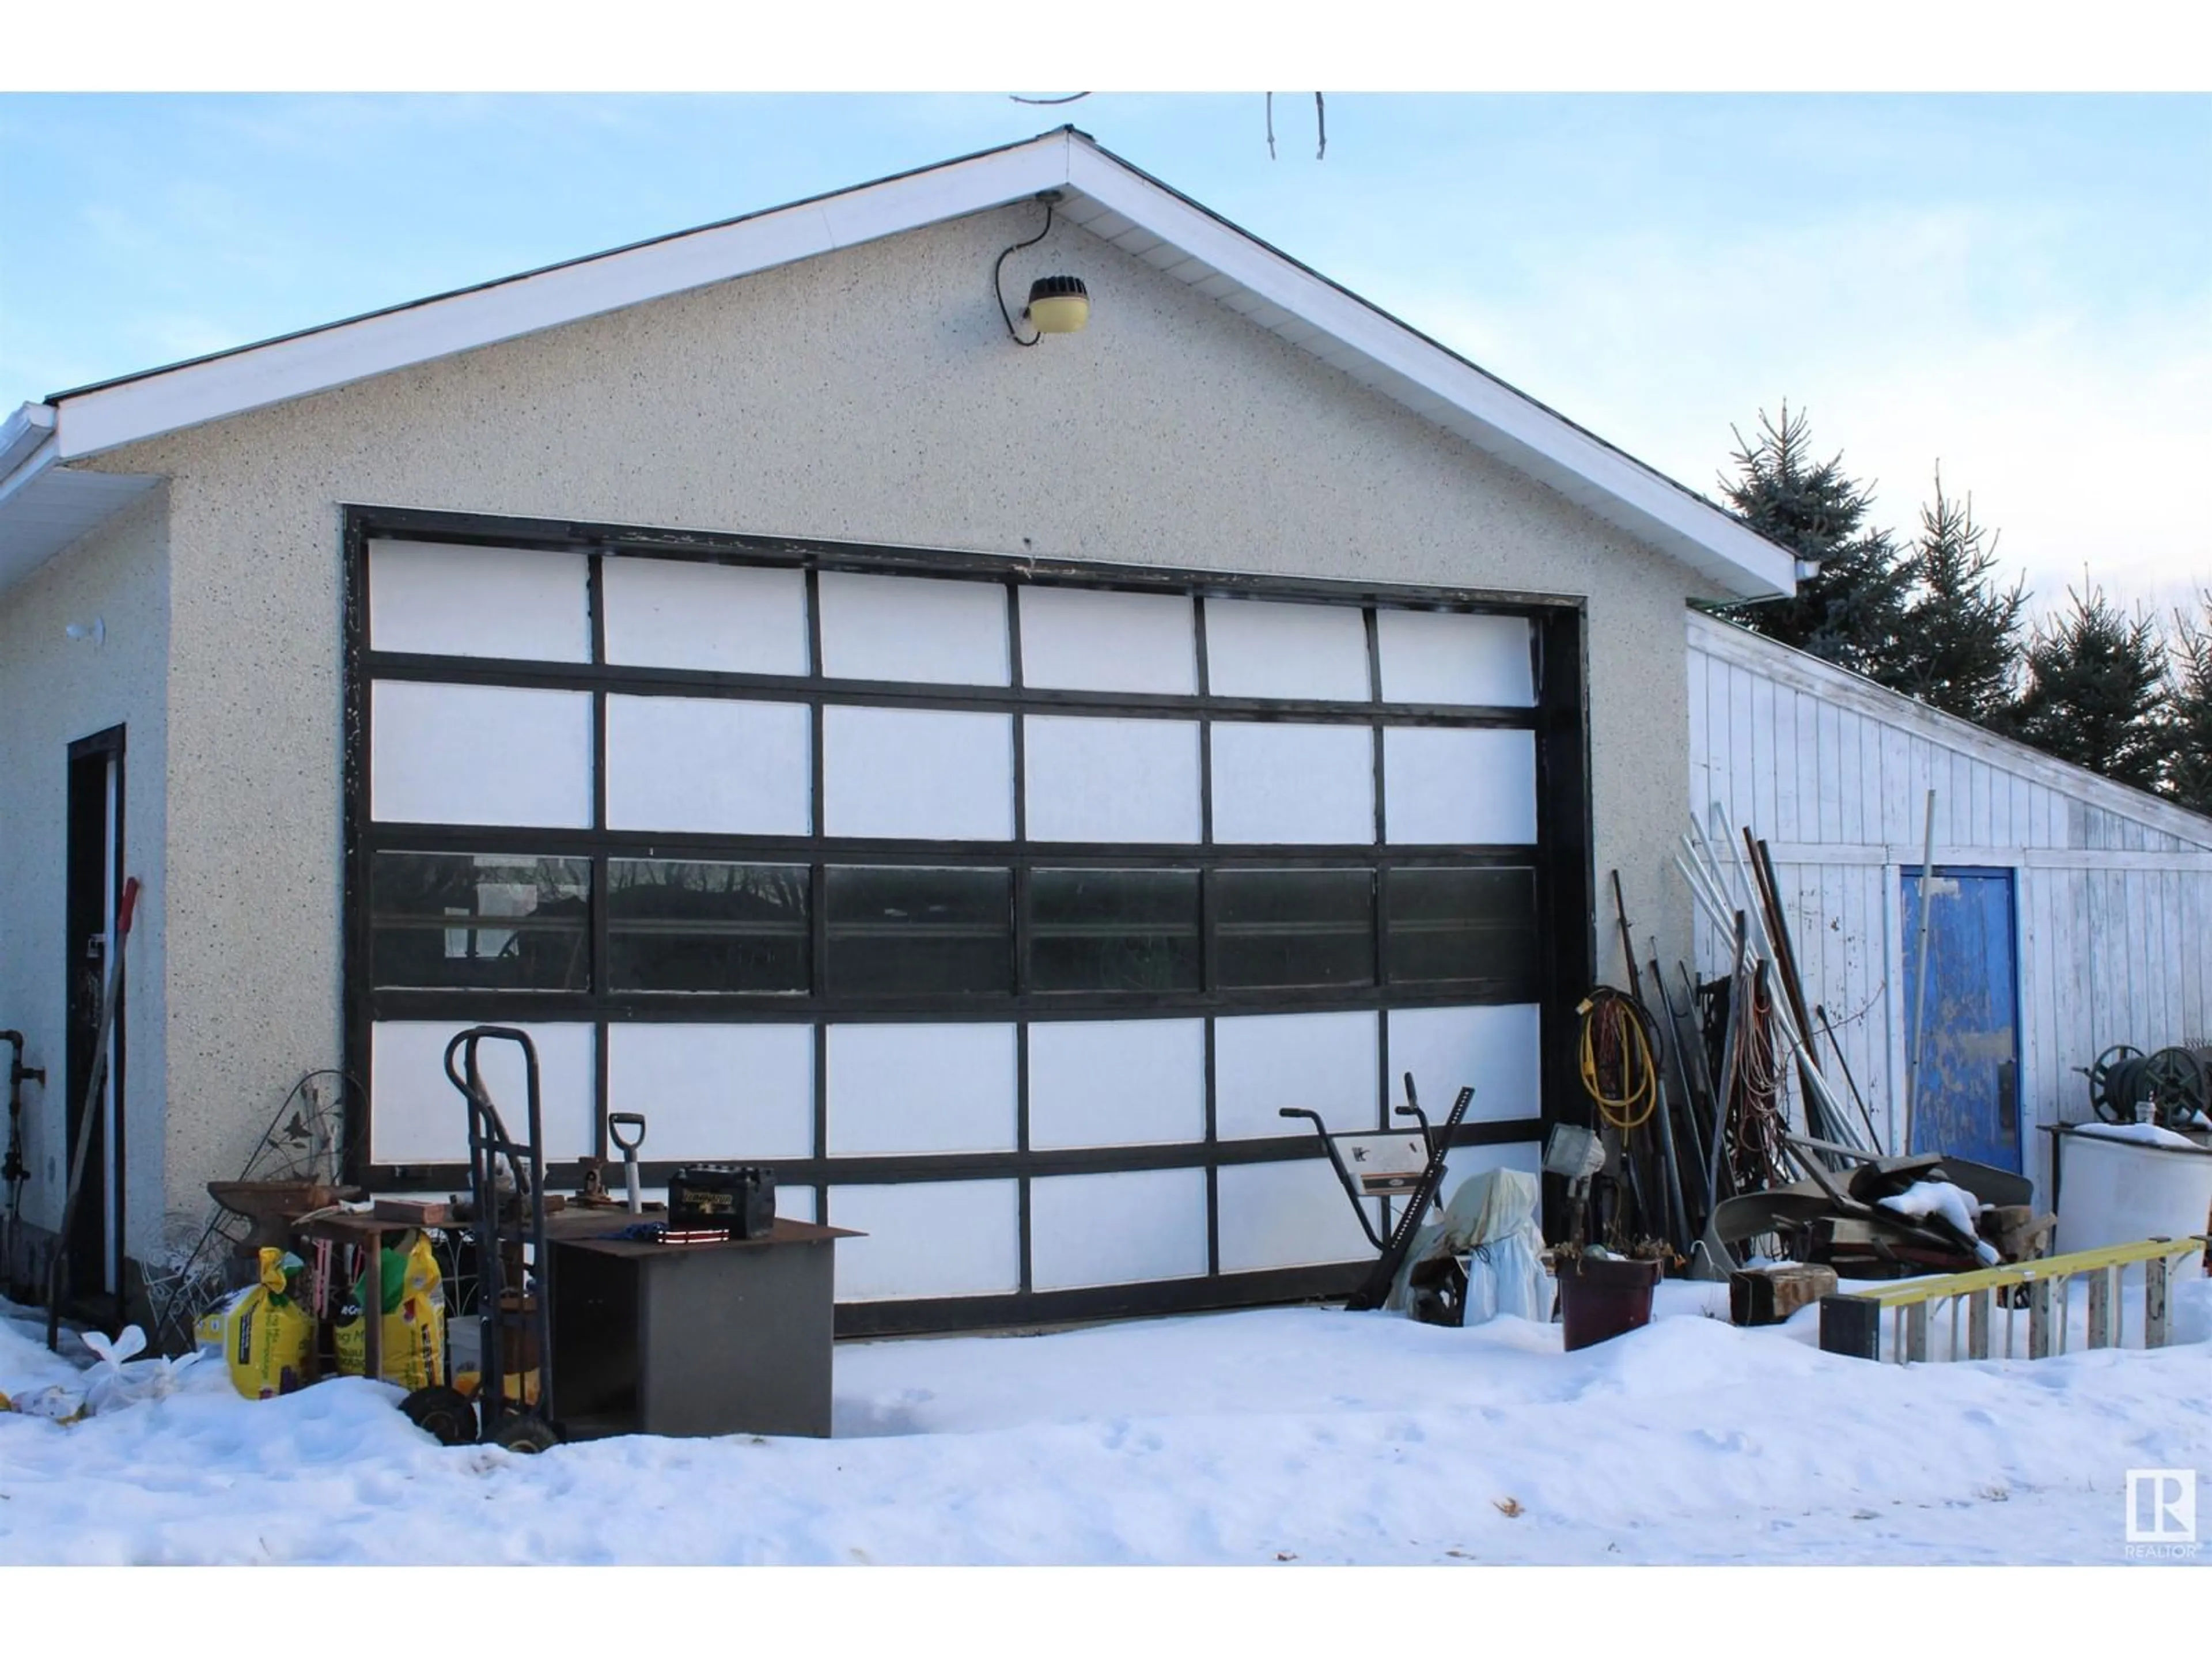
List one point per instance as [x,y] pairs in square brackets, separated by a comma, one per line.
[1058,305]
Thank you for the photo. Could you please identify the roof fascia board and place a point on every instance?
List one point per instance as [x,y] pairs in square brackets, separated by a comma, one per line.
[1528,428]
[23,434]
[23,476]
[1802,672]
[105,418]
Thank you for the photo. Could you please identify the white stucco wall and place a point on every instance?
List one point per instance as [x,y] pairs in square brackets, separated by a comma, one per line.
[54,691]
[869,395]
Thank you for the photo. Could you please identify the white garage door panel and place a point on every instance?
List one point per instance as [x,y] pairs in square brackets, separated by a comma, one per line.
[921,772]
[1459,787]
[458,601]
[1078,639]
[479,754]
[922,1089]
[733,1094]
[928,1238]
[908,628]
[1111,780]
[727,619]
[1437,656]
[1116,1083]
[1286,784]
[1264,1062]
[1263,649]
[417,1116]
[1116,1229]
[1498,1049]
[1287,1215]
[709,765]
[798,1203]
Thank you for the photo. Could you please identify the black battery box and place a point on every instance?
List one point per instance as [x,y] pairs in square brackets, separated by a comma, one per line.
[738,1196]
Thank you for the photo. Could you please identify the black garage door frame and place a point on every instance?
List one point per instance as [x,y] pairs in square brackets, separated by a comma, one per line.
[1563,934]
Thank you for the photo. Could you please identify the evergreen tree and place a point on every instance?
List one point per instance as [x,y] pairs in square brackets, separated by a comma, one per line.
[2096,692]
[1957,640]
[2188,777]
[1850,613]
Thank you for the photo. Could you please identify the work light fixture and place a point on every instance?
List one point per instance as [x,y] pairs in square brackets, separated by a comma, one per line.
[1058,305]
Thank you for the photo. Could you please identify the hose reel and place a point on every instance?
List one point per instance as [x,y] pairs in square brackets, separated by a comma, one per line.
[2176,1083]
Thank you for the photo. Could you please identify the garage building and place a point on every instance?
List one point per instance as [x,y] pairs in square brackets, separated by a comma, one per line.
[987,784]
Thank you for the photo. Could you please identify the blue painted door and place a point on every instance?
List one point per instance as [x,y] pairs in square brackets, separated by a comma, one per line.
[1967,1101]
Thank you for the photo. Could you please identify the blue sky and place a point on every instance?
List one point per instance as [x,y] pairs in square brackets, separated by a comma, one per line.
[2020,286]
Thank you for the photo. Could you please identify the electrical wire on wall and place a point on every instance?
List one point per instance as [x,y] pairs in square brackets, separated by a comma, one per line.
[998,287]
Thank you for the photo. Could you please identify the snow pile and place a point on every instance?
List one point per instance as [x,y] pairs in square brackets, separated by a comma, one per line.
[1297,1434]
[2146,1134]
[1954,1203]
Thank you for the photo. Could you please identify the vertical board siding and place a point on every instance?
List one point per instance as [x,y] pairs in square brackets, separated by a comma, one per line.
[2108,954]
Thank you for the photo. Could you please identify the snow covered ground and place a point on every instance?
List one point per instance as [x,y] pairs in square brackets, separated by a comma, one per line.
[1296,1435]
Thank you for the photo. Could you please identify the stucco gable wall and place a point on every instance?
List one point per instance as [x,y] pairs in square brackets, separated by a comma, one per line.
[54,691]
[869,395]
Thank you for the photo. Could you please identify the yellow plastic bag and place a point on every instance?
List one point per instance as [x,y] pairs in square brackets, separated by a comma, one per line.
[413,1306]
[266,1338]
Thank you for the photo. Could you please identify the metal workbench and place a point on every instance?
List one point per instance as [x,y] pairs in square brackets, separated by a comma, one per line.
[725,1338]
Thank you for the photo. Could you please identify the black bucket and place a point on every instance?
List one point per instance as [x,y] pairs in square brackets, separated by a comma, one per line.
[1599,1299]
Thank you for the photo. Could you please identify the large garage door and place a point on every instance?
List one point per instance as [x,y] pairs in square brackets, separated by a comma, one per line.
[999,909]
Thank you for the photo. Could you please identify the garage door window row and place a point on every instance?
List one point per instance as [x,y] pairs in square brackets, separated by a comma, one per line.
[456,921]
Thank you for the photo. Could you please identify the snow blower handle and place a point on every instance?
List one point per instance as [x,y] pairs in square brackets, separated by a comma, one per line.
[1412,1108]
[617,1122]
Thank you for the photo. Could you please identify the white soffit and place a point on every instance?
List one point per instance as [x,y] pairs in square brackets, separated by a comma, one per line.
[45,508]
[1100,193]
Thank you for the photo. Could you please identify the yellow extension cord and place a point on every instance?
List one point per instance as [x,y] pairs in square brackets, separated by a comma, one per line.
[1640,1073]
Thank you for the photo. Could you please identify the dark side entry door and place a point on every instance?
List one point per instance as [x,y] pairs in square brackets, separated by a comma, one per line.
[94,887]
[1966,1102]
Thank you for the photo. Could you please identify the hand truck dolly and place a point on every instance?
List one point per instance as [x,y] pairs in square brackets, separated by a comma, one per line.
[503,1220]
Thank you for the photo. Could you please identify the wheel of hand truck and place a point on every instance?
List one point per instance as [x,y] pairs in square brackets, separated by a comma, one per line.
[2103,1095]
[442,1412]
[525,1434]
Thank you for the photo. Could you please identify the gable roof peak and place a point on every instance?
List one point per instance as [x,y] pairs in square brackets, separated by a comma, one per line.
[1096,189]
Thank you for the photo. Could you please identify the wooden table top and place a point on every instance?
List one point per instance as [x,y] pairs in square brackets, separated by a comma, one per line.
[586,1228]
